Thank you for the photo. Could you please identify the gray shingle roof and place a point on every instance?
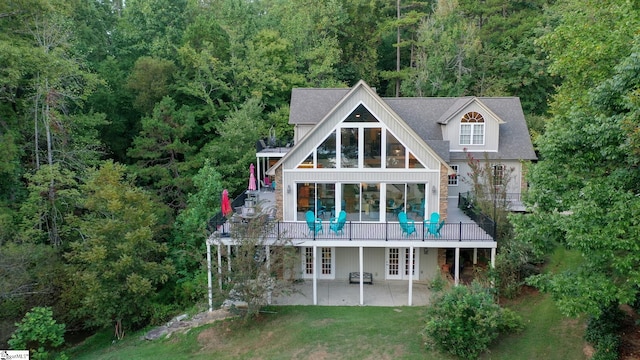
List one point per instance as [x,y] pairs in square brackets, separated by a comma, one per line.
[424,115]
[309,106]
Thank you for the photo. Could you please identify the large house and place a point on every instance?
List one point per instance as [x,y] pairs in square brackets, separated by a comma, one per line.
[388,164]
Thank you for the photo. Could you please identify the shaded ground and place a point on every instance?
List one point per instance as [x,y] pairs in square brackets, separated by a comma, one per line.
[630,335]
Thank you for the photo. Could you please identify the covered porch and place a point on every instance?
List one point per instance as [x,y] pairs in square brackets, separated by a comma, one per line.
[383,292]
[342,293]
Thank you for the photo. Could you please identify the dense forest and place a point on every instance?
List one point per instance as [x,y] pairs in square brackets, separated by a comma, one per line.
[121,123]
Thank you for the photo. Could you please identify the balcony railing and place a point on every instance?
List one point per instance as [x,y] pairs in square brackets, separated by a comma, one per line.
[358,231]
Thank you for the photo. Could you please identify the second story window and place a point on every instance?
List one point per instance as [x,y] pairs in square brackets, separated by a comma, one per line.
[498,174]
[472,129]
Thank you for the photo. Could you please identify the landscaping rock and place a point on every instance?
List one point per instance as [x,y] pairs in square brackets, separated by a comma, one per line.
[180,324]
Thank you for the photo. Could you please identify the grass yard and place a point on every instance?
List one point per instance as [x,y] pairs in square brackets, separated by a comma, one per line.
[322,332]
[317,332]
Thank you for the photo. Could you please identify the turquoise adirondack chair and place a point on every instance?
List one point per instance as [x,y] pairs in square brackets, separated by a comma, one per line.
[315,224]
[408,226]
[337,224]
[432,223]
[440,226]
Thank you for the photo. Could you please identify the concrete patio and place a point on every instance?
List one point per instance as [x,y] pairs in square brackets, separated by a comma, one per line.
[341,293]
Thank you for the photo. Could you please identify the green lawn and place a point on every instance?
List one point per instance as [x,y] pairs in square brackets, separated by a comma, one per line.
[319,332]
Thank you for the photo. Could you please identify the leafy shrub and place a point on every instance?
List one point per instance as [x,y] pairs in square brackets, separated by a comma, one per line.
[607,348]
[38,332]
[602,333]
[464,320]
[437,283]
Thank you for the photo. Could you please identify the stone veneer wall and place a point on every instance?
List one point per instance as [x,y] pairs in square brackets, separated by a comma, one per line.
[442,257]
[278,194]
[444,206]
[444,191]
[524,166]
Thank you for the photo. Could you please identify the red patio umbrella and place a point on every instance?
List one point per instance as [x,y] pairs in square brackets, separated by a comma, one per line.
[226,203]
[252,179]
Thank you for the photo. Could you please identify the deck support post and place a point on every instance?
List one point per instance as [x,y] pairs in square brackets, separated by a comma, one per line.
[209,281]
[457,267]
[410,300]
[220,266]
[229,261]
[268,250]
[493,262]
[315,275]
[493,258]
[361,269]
[475,256]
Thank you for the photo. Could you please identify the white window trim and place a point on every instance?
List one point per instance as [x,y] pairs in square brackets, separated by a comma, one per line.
[472,126]
[457,178]
[318,268]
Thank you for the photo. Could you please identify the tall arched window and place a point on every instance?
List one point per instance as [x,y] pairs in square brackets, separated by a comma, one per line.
[472,129]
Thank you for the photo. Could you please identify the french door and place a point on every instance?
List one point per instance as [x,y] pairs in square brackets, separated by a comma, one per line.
[398,264]
[326,263]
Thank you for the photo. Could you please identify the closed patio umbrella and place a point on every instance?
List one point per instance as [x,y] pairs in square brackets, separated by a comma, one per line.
[252,179]
[226,203]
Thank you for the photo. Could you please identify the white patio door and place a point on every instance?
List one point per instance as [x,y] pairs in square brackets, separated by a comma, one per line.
[398,264]
[326,263]
[394,271]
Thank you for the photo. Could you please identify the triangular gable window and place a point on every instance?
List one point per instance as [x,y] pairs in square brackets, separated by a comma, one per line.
[361,142]
[361,114]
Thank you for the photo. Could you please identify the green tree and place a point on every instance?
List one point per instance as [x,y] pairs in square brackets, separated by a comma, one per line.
[312,31]
[118,265]
[587,181]
[587,41]
[256,263]
[268,71]
[191,230]
[445,47]
[165,160]
[48,211]
[38,332]
[233,150]
[149,80]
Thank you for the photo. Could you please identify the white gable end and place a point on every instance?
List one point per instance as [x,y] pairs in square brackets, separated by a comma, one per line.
[470,139]
[361,94]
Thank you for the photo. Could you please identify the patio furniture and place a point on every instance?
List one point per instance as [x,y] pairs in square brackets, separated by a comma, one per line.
[440,226]
[407,226]
[394,208]
[320,209]
[432,224]
[266,184]
[354,278]
[315,224]
[418,209]
[337,224]
[343,205]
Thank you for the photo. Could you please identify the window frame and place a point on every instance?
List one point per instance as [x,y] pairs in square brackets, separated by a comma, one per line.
[452,180]
[472,125]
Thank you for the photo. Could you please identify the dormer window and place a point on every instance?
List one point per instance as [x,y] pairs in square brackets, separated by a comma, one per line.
[472,129]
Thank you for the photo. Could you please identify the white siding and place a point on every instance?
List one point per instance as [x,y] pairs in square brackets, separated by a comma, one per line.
[451,131]
[514,185]
[335,176]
